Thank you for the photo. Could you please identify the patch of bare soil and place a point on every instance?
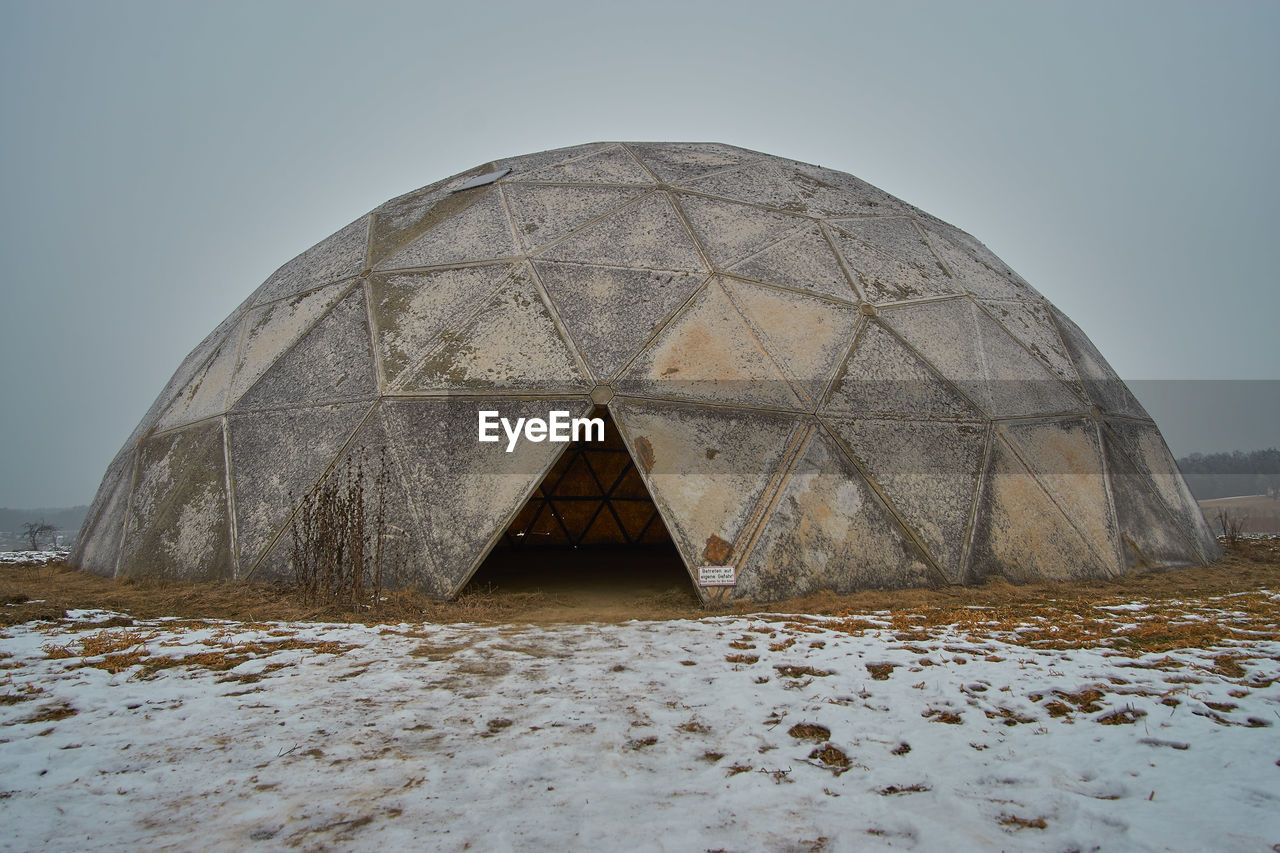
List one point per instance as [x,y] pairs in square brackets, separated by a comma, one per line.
[609,589]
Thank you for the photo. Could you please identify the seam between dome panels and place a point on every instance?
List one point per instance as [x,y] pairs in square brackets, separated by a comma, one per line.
[584,367]
[855,281]
[892,508]
[1044,365]
[1037,479]
[975,506]
[760,515]
[643,165]
[761,339]
[1113,511]
[662,326]
[690,231]
[379,369]
[274,539]
[536,253]
[453,331]
[228,481]
[1151,488]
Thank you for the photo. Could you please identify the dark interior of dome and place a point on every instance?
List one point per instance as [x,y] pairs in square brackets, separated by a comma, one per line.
[590,524]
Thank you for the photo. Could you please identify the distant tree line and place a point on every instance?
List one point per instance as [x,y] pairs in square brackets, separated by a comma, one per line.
[1226,475]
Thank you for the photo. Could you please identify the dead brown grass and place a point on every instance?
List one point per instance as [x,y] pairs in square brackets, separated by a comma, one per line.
[809,731]
[1015,822]
[1068,612]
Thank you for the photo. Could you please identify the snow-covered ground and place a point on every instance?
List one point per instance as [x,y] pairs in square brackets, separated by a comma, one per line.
[33,558]
[736,733]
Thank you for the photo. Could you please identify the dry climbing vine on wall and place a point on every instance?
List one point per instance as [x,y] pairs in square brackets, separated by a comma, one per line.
[340,552]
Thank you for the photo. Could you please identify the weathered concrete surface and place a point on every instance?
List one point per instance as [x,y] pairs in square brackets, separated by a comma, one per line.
[929,472]
[883,376]
[707,469]
[340,256]
[270,466]
[829,530]
[981,358]
[1022,534]
[710,353]
[803,260]
[820,385]
[178,522]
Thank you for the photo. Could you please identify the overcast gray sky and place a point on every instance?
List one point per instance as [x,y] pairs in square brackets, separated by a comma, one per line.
[159,159]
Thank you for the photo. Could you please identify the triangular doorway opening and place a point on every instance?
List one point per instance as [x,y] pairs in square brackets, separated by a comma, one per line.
[590,535]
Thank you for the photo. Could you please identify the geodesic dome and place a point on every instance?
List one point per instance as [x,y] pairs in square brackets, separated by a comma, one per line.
[818,384]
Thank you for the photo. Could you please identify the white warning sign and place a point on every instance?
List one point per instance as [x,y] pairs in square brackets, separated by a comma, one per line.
[716,576]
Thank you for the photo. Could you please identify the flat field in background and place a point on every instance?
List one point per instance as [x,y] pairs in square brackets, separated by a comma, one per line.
[1257,513]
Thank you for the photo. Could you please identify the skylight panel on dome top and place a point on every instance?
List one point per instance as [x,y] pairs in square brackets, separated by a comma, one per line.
[482,180]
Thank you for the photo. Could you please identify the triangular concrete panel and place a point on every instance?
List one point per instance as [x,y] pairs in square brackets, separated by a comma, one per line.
[1104,385]
[468,491]
[829,193]
[976,353]
[882,376]
[758,183]
[511,344]
[480,231]
[1031,324]
[613,165]
[543,214]
[709,353]
[525,165]
[706,469]
[646,234]
[1151,534]
[611,313]
[340,256]
[891,260]
[808,336]
[1152,538]
[803,261]
[674,162]
[403,219]
[271,330]
[272,470]
[407,560]
[1066,458]
[196,361]
[929,471]
[1021,534]
[412,310]
[205,393]
[977,270]
[178,521]
[828,530]
[98,546]
[730,231]
[332,363]
[1143,444]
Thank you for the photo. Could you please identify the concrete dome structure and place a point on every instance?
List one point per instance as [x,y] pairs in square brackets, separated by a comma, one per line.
[817,383]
